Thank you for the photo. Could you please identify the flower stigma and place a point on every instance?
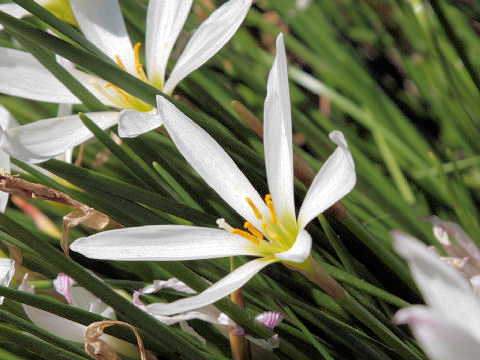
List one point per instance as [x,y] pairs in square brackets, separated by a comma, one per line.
[277,237]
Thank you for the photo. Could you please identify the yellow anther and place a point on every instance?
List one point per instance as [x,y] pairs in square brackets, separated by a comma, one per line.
[246,235]
[252,229]
[269,202]
[120,91]
[258,214]
[270,233]
[120,63]
[138,64]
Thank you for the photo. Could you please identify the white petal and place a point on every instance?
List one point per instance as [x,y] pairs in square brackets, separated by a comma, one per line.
[443,288]
[13,10]
[220,289]
[96,86]
[44,139]
[102,23]
[7,269]
[213,164]
[59,326]
[300,249]
[335,179]
[165,20]
[208,313]
[22,75]
[133,123]
[163,243]
[208,39]
[6,119]
[277,138]
[171,283]
[440,339]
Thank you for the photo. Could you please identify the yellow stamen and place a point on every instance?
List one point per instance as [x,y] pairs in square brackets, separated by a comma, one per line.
[120,63]
[252,229]
[270,233]
[138,64]
[120,91]
[258,214]
[246,235]
[269,202]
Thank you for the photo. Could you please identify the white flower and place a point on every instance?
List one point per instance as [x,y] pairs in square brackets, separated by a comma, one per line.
[272,231]
[7,269]
[449,326]
[68,329]
[102,23]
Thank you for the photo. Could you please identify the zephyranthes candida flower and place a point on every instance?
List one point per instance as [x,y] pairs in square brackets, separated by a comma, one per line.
[273,232]
[449,326]
[102,23]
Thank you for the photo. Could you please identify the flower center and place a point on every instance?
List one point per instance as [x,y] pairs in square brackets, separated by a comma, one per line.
[120,97]
[276,234]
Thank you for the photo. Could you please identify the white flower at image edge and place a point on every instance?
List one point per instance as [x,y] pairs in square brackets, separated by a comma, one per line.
[272,231]
[449,326]
[102,23]
[7,269]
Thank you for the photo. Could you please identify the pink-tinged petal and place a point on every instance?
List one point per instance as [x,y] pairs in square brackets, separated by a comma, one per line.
[208,39]
[444,230]
[440,339]
[300,249]
[277,138]
[172,283]
[44,139]
[270,319]
[335,179]
[62,285]
[102,23]
[220,289]
[22,75]
[165,20]
[133,123]
[443,288]
[213,164]
[163,243]
[7,269]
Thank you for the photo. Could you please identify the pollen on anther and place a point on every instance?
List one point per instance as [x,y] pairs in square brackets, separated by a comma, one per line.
[246,235]
[120,63]
[253,230]
[138,63]
[269,202]
[257,213]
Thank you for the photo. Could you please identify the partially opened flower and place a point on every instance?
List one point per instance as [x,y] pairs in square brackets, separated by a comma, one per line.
[272,232]
[102,24]
[449,326]
[68,329]
[7,270]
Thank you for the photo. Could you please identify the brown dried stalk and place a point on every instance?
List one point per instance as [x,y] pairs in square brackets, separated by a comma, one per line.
[84,214]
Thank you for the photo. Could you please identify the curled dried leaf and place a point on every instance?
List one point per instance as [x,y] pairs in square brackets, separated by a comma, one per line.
[98,349]
[84,214]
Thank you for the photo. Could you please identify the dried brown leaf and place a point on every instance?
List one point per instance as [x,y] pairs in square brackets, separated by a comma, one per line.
[98,349]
